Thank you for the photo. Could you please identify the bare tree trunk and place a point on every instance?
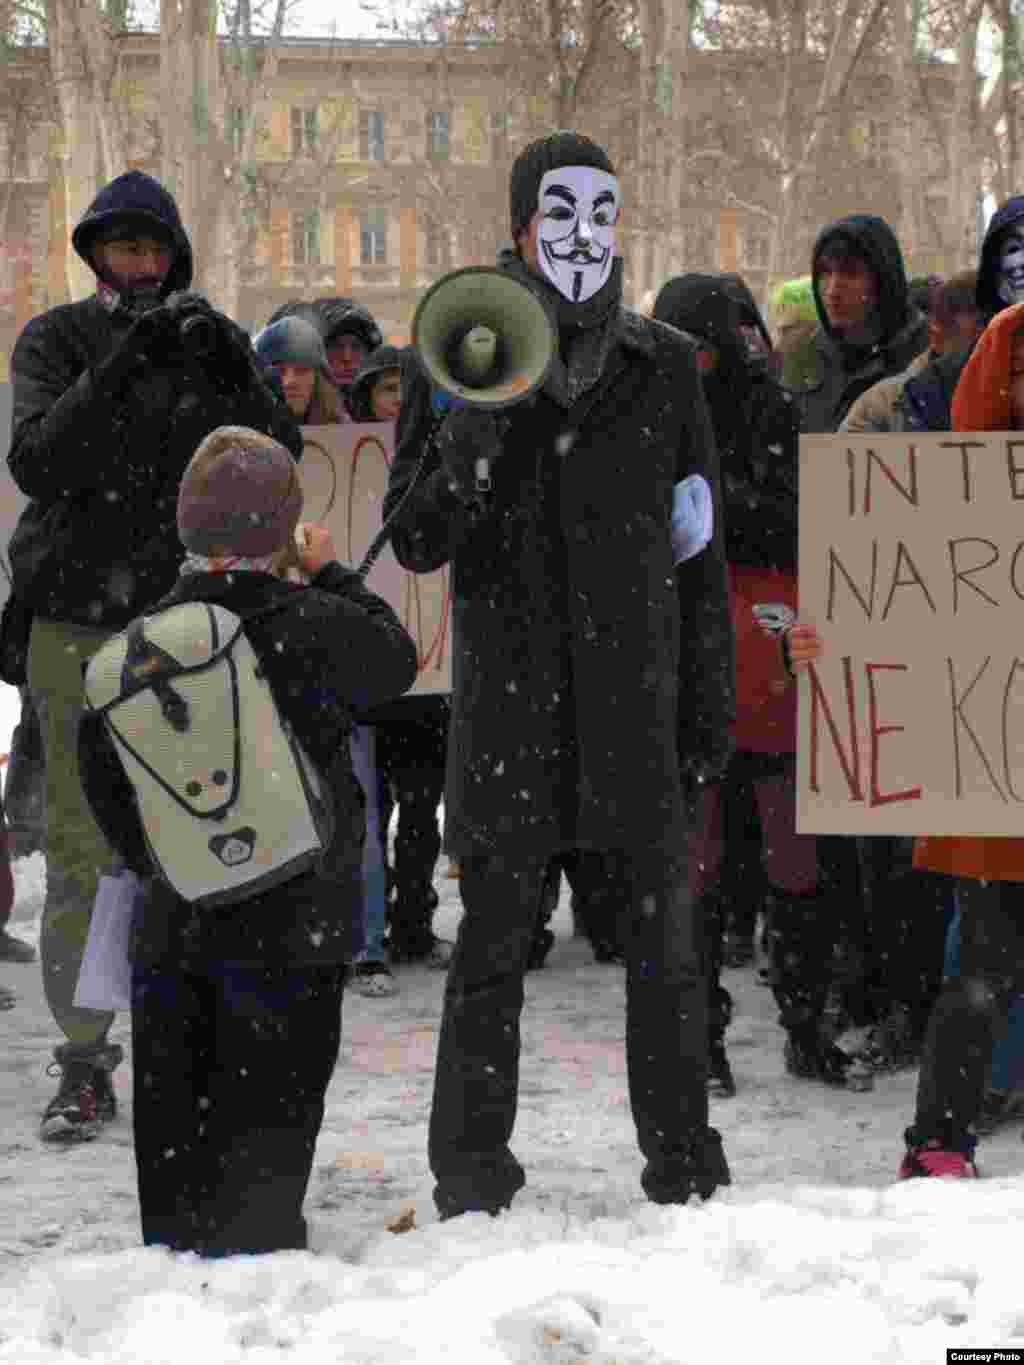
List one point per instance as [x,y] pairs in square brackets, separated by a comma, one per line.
[98,45]
[904,141]
[964,180]
[78,126]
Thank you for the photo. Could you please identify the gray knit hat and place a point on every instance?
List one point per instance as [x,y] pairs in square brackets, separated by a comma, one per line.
[239,495]
[564,148]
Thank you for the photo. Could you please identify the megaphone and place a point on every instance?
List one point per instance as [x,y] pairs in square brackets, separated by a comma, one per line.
[484,338]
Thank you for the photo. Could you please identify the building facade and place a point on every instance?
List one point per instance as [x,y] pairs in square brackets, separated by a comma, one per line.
[372,168]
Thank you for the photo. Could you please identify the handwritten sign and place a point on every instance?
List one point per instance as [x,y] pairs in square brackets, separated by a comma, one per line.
[344,472]
[912,568]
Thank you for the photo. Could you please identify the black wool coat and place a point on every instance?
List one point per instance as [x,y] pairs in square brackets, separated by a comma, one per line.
[326,649]
[592,680]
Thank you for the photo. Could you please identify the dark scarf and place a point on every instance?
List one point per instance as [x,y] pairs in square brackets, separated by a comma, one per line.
[586,331]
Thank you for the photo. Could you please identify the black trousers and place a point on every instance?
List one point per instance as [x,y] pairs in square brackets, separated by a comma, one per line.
[25,783]
[601,885]
[230,1069]
[476,1081]
[411,766]
[971,1012]
[899,938]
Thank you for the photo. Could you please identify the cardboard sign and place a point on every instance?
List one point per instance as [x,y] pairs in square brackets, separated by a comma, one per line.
[344,473]
[912,569]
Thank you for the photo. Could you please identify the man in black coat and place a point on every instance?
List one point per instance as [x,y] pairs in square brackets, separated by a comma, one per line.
[592,671]
[111,397]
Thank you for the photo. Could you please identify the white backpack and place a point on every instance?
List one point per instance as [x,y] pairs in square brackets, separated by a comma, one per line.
[229,802]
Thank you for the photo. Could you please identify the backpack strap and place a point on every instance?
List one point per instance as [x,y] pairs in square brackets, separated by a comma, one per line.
[144,659]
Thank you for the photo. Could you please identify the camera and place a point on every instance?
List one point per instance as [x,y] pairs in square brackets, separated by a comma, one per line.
[198,330]
[198,334]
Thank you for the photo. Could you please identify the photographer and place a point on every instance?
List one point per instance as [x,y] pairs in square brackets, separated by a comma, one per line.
[111,397]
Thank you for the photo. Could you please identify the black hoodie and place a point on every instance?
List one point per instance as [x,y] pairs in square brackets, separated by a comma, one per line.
[755,421]
[826,374]
[99,542]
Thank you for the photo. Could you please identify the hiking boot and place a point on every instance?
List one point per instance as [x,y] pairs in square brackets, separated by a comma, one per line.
[998,1108]
[15,949]
[543,942]
[426,948]
[84,1100]
[738,950]
[892,1044]
[931,1159]
[816,1061]
[606,951]
[374,979]
[721,1084]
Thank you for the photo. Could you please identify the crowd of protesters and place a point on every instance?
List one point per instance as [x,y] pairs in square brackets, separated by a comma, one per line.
[678,833]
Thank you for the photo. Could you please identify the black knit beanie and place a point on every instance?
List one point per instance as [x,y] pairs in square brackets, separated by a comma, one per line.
[564,148]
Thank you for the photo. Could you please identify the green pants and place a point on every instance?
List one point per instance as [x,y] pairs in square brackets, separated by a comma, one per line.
[76,851]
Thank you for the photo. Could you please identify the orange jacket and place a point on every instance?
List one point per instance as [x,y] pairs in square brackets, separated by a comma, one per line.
[981,403]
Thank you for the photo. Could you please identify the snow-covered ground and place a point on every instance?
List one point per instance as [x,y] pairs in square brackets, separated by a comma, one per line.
[814,1255]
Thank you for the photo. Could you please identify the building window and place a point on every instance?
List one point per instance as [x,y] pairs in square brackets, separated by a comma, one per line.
[371,135]
[373,236]
[304,132]
[755,249]
[306,237]
[438,127]
[433,244]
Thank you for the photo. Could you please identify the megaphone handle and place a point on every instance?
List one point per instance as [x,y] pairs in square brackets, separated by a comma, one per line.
[482,469]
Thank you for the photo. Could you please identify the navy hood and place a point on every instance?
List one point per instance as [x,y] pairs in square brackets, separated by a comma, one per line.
[140,199]
[1008,215]
[875,242]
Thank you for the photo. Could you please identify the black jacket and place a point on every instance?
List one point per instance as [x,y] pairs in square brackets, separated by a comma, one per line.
[755,420]
[113,465]
[927,398]
[325,649]
[825,375]
[587,671]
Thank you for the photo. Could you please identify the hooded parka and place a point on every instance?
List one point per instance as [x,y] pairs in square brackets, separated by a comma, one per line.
[826,374]
[756,432]
[106,469]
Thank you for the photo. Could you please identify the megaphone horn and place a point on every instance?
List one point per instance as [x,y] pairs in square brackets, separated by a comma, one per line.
[483,337]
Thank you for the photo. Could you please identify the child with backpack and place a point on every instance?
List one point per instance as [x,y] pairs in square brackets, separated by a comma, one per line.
[214,753]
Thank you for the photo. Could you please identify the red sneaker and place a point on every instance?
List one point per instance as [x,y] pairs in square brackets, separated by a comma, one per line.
[933,1160]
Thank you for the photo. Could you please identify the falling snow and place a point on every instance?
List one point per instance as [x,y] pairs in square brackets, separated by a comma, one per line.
[814,1249]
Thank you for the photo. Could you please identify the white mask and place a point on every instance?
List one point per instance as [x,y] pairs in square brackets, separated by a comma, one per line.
[579,207]
[1010,286]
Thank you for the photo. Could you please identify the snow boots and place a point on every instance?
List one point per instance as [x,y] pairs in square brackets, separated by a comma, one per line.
[84,1099]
